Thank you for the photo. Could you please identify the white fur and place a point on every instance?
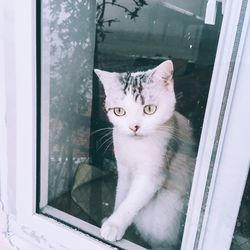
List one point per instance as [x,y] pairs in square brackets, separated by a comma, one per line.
[148,194]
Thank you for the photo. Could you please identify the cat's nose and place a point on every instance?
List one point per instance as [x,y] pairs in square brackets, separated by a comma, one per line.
[134,128]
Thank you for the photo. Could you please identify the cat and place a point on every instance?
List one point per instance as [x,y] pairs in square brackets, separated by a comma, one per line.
[153,146]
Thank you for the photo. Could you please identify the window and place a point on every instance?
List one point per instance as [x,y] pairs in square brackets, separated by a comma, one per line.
[55,175]
[78,167]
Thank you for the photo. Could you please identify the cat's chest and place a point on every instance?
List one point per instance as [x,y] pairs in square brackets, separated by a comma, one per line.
[140,151]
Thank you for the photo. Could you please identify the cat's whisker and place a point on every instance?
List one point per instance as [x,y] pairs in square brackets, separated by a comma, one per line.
[179,96]
[109,133]
[108,147]
[177,138]
[168,129]
[173,133]
[104,143]
[101,130]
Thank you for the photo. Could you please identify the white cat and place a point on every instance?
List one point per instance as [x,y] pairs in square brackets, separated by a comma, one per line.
[153,148]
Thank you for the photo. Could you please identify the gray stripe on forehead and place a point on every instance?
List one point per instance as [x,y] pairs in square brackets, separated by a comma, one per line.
[134,84]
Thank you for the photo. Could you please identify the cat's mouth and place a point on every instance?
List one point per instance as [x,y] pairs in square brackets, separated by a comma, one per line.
[136,135]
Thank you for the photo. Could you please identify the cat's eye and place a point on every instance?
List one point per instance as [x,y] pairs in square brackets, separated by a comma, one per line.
[150,109]
[119,111]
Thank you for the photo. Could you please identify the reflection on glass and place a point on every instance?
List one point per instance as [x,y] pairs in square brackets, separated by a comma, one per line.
[241,238]
[115,36]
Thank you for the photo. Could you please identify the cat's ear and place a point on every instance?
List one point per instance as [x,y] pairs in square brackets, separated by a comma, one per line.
[164,74]
[109,80]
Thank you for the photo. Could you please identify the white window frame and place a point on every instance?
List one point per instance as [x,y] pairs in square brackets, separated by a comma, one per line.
[28,230]
[228,42]
[231,165]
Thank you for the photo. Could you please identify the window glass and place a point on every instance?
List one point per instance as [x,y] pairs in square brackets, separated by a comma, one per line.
[78,164]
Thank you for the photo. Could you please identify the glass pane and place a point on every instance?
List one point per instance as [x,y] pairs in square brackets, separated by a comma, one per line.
[68,38]
[99,130]
[241,238]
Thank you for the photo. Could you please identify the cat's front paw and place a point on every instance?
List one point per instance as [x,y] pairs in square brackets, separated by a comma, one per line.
[112,231]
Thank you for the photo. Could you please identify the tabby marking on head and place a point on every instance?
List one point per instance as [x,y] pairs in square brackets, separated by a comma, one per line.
[134,84]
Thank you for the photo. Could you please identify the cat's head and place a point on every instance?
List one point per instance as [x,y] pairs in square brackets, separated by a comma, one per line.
[139,103]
